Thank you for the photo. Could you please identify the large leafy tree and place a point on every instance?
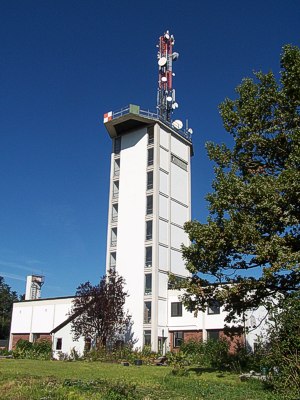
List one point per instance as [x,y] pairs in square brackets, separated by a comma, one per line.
[7,298]
[98,311]
[250,244]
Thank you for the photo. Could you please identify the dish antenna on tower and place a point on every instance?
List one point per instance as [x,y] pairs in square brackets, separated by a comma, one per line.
[166,94]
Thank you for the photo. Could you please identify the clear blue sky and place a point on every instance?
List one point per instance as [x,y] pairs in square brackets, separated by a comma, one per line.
[62,65]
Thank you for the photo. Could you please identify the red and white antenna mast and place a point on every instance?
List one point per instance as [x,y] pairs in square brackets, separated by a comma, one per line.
[166,94]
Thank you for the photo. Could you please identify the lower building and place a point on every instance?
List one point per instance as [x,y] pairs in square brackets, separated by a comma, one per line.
[49,319]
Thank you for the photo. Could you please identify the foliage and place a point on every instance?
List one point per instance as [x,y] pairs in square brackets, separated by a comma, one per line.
[41,350]
[250,245]
[7,298]
[282,348]
[124,353]
[98,311]
[209,354]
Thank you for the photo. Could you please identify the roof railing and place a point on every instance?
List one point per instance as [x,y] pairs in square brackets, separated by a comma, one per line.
[134,109]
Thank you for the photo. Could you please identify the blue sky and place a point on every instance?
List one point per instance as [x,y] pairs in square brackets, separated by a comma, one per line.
[62,65]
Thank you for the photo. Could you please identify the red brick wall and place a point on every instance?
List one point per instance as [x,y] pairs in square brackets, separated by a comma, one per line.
[198,336]
[17,336]
[187,336]
[233,341]
[44,336]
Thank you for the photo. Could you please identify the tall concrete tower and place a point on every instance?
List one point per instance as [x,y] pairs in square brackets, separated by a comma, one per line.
[149,201]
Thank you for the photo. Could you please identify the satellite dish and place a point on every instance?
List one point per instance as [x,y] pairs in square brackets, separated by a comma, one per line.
[173,73]
[174,105]
[169,98]
[177,124]
[162,61]
[167,36]
[190,131]
[164,79]
[175,56]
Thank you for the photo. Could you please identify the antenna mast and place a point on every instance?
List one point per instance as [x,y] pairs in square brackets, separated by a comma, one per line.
[166,94]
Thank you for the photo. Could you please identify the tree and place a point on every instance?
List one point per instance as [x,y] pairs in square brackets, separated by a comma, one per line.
[98,310]
[282,347]
[250,245]
[7,298]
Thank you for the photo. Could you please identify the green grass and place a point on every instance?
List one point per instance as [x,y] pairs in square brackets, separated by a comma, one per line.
[45,380]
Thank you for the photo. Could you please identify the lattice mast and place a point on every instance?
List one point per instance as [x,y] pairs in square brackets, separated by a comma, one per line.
[166,103]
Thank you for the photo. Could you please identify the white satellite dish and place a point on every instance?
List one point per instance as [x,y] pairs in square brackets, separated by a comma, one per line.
[162,61]
[164,79]
[177,124]
[167,36]
[175,56]
[190,131]
[174,105]
[169,98]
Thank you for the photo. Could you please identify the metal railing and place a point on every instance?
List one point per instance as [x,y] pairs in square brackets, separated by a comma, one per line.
[151,115]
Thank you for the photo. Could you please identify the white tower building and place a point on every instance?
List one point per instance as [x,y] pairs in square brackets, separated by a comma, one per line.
[150,199]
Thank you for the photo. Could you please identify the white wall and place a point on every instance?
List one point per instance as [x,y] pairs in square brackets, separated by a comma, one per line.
[131,223]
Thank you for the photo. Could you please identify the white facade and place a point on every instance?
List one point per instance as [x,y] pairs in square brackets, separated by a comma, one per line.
[36,319]
[150,197]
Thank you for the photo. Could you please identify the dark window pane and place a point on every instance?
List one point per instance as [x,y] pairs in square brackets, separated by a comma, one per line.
[176,309]
[149,180]
[150,156]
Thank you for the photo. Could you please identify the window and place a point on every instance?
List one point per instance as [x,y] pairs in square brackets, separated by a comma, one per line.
[113,238]
[117,167]
[177,161]
[147,312]
[213,334]
[176,309]
[149,230]
[117,145]
[58,344]
[177,339]
[114,215]
[115,189]
[149,208]
[148,258]
[147,338]
[148,283]
[150,135]
[149,180]
[213,307]
[112,261]
[150,156]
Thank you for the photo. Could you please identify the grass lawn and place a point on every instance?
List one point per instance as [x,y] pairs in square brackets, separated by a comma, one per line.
[45,380]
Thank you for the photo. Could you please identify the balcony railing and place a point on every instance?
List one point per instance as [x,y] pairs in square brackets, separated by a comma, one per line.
[151,115]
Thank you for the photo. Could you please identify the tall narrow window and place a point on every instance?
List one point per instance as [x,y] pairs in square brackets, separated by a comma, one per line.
[115,189]
[213,307]
[150,156]
[147,338]
[117,145]
[177,338]
[149,180]
[112,261]
[114,214]
[149,208]
[150,135]
[148,256]
[113,241]
[147,312]
[58,344]
[149,230]
[148,283]
[117,167]
[176,309]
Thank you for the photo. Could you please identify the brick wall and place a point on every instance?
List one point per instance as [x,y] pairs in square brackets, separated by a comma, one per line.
[17,336]
[187,336]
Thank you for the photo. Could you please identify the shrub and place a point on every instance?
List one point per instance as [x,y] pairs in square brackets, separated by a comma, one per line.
[41,350]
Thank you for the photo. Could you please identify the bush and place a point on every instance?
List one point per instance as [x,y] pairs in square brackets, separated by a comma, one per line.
[41,350]
[212,353]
